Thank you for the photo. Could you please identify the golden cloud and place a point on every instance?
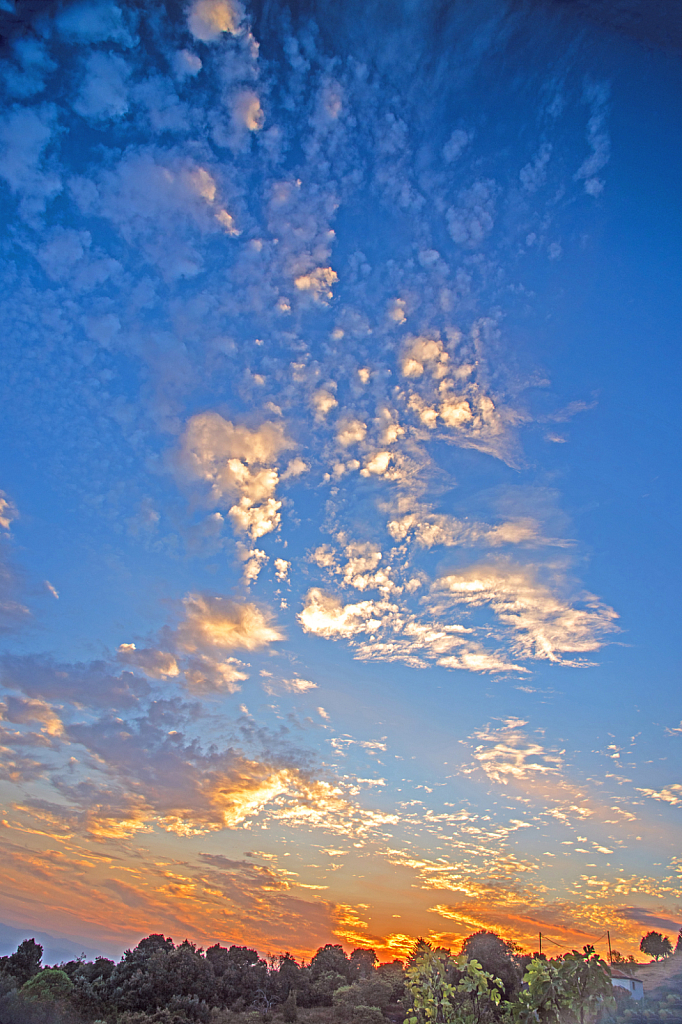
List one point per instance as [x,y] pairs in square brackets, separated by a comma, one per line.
[216,622]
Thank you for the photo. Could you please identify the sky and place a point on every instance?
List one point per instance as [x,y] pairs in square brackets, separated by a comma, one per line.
[340,560]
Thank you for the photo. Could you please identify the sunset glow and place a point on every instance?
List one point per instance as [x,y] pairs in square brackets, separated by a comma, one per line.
[340,489]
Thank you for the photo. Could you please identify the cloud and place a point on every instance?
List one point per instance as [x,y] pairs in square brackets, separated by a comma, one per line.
[430,530]
[456,145]
[157,664]
[544,625]
[90,684]
[323,401]
[34,67]
[324,615]
[282,568]
[237,462]
[472,220]
[505,753]
[317,283]
[94,22]
[247,111]
[208,19]
[295,685]
[668,794]
[61,251]
[24,135]
[533,175]
[254,560]
[350,431]
[103,93]
[22,711]
[8,511]
[396,635]
[443,389]
[596,95]
[186,64]
[12,612]
[216,622]
[205,674]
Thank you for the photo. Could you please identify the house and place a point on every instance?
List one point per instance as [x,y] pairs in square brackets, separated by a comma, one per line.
[632,985]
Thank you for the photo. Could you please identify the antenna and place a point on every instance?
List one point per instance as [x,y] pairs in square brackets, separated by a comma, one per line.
[608,936]
[540,937]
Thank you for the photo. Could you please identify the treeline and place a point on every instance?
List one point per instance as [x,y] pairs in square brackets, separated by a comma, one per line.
[158,982]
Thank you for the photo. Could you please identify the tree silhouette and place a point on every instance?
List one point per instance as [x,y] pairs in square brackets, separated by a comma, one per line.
[656,945]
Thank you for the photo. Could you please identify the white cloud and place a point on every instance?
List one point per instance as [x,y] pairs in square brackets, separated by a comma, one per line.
[216,622]
[533,175]
[208,19]
[254,561]
[350,431]
[186,64]
[324,615]
[505,753]
[456,145]
[323,401]
[431,530]
[104,91]
[24,135]
[598,140]
[94,21]
[247,111]
[472,220]
[237,462]
[282,568]
[205,674]
[545,625]
[155,663]
[317,283]
[8,512]
[668,794]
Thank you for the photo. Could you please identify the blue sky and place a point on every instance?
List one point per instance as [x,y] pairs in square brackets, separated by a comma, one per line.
[340,576]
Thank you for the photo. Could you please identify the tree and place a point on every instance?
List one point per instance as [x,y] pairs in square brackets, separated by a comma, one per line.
[330,958]
[618,958]
[370,992]
[430,991]
[23,964]
[362,964]
[543,997]
[576,984]
[588,982]
[445,989]
[498,957]
[48,985]
[678,944]
[656,945]
[394,974]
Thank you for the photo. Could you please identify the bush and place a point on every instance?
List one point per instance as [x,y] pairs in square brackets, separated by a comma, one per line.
[289,1009]
[367,1015]
[363,993]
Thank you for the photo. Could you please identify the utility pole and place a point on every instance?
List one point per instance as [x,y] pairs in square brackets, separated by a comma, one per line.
[608,936]
[540,937]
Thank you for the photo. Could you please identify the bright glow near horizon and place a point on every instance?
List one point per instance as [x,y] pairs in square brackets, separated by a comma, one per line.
[340,563]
